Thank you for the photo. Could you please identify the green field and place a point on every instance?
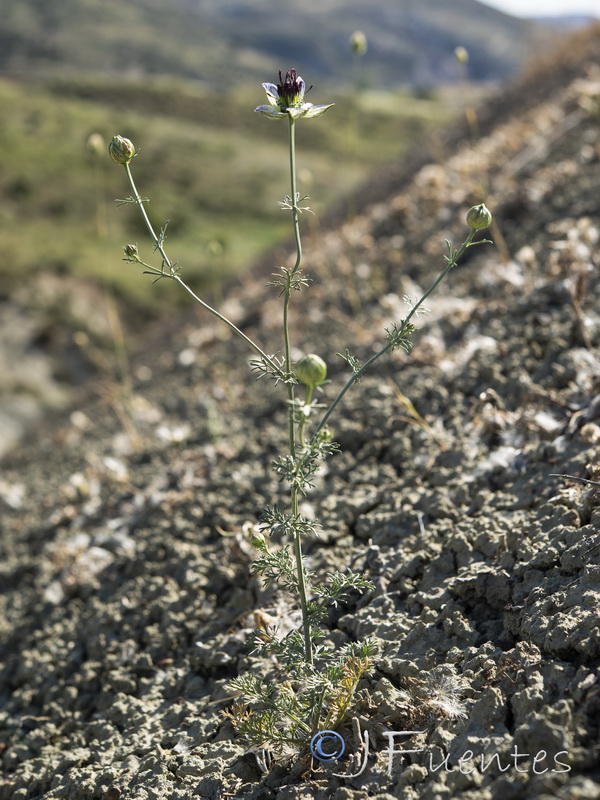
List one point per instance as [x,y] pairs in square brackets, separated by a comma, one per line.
[208,163]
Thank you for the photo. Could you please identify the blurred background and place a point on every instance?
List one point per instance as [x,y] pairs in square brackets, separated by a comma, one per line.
[181,79]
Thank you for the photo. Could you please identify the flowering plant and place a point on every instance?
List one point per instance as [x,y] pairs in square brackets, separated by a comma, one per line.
[315,684]
[286,99]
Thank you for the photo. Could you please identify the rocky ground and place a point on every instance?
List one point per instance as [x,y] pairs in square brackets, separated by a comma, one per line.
[127,595]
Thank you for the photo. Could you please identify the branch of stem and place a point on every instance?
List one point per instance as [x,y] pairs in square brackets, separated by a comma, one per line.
[172,273]
[452,260]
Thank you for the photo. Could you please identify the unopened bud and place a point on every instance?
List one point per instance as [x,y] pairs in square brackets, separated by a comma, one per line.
[311,370]
[131,252]
[121,150]
[358,43]
[325,435]
[461,54]
[479,217]
[96,144]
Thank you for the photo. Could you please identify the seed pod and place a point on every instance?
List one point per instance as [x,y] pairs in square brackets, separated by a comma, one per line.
[461,54]
[358,43]
[121,150]
[131,251]
[96,144]
[311,370]
[479,217]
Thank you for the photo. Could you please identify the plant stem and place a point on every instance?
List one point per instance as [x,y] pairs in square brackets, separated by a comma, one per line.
[294,190]
[166,262]
[308,650]
[289,277]
[302,422]
[157,242]
[168,271]
[356,376]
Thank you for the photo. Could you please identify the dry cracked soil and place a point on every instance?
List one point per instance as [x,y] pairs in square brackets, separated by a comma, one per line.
[466,490]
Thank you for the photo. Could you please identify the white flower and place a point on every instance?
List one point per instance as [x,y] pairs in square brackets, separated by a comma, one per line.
[286,99]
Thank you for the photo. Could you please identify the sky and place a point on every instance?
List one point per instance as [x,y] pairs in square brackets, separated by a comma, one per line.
[536,8]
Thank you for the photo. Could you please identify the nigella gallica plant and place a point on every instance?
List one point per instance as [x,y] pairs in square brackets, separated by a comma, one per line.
[315,685]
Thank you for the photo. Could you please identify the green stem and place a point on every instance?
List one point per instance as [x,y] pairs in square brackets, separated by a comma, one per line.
[157,242]
[356,376]
[289,278]
[302,422]
[174,276]
[294,190]
[288,364]
[277,371]
[318,710]
[308,650]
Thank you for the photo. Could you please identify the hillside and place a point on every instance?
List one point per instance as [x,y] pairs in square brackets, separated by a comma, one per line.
[65,290]
[125,561]
[223,43]
[73,73]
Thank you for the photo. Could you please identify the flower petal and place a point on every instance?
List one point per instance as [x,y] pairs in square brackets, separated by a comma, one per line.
[271,112]
[314,111]
[301,88]
[272,93]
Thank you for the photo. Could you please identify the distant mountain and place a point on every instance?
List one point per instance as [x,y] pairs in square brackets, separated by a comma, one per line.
[567,21]
[224,41]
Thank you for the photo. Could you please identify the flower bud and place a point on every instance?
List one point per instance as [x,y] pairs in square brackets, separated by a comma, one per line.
[358,43]
[325,435]
[95,144]
[121,150]
[479,217]
[311,370]
[461,54]
[131,252]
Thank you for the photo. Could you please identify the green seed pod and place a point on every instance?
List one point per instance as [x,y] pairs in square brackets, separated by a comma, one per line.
[358,43]
[311,370]
[96,144]
[461,54]
[131,252]
[121,150]
[479,217]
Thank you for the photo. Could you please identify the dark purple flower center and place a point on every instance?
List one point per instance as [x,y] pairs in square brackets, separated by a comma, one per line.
[289,88]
